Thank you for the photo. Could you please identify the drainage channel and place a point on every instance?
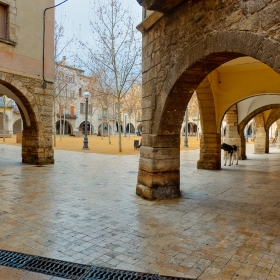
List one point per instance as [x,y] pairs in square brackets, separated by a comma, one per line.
[70,270]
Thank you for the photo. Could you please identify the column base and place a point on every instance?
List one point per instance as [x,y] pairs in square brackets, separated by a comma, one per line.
[162,192]
[209,165]
[38,161]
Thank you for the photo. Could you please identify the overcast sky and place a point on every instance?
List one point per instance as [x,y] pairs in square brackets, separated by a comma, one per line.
[77,13]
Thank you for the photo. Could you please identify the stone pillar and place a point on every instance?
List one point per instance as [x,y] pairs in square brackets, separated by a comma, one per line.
[159,167]
[210,141]
[232,136]
[278,134]
[267,142]
[37,138]
[242,150]
[278,138]
[210,152]
[260,135]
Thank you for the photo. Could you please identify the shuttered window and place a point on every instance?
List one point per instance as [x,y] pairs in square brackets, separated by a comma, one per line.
[3,21]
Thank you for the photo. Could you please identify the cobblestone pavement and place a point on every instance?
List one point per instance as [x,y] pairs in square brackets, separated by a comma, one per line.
[84,209]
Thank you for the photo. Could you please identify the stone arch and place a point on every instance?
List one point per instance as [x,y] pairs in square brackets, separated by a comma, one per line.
[139,127]
[82,127]
[35,107]
[132,128]
[175,64]
[17,126]
[68,128]
[273,117]
[105,129]
[247,119]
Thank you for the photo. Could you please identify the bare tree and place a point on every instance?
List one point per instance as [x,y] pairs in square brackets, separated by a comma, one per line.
[116,57]
[61,44]
[132,104]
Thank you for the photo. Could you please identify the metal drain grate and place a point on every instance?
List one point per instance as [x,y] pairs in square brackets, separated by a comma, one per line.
[12,259]
[57,268]
[71,270]
[106,273]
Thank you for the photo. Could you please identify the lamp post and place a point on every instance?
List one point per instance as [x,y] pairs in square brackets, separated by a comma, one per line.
[186,129]
[85,147]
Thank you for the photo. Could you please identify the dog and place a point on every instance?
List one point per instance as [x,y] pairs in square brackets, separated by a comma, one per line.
[232,151]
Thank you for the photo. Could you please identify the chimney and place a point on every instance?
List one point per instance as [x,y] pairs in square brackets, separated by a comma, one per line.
[63,61]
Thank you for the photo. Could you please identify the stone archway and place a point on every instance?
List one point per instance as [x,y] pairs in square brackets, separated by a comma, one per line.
[89,127]
[177,62]
[131,127]
[17,126]
[242,124]
[35,106]
[66,127]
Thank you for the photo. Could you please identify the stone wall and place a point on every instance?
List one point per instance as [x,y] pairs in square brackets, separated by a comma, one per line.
[179,51]
[37,123]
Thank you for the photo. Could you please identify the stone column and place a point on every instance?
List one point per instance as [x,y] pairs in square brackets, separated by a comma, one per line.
[267,142]
[278,139]
[260,135]
[159,167]
[242,148]
[232,136]
[278,134]
[37,138]
[210,152]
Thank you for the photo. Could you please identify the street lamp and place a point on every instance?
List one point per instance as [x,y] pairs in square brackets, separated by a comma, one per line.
[85,147]
[186,129]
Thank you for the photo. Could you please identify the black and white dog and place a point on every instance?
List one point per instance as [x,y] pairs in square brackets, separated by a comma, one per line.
[230,150]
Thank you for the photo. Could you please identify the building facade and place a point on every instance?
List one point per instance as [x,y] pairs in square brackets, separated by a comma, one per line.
[26,72]
[70,105]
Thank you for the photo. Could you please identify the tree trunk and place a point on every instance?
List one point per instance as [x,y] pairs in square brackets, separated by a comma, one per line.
[108,128]
[135,123]
[54,125]
[129,127]
[60,126]
[102,130]
[63,122]
[119,125]
[90,130]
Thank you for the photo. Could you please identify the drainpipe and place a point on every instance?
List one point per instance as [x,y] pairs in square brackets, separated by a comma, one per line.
[44,85]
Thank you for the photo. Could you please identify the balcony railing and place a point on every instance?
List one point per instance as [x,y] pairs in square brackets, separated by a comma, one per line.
[67,116]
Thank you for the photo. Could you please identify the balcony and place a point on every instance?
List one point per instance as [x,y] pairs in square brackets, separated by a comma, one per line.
[67,116]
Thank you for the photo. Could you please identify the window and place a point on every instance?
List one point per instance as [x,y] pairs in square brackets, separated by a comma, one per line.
[3,21]
[82,105]
[72,111]
[80,92]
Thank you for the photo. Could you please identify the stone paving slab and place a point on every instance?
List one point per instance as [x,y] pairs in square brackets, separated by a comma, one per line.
[84,209]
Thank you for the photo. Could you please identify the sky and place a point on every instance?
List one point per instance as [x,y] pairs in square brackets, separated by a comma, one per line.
[76,15]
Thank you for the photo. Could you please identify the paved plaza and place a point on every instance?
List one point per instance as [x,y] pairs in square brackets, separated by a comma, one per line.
[84,209]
